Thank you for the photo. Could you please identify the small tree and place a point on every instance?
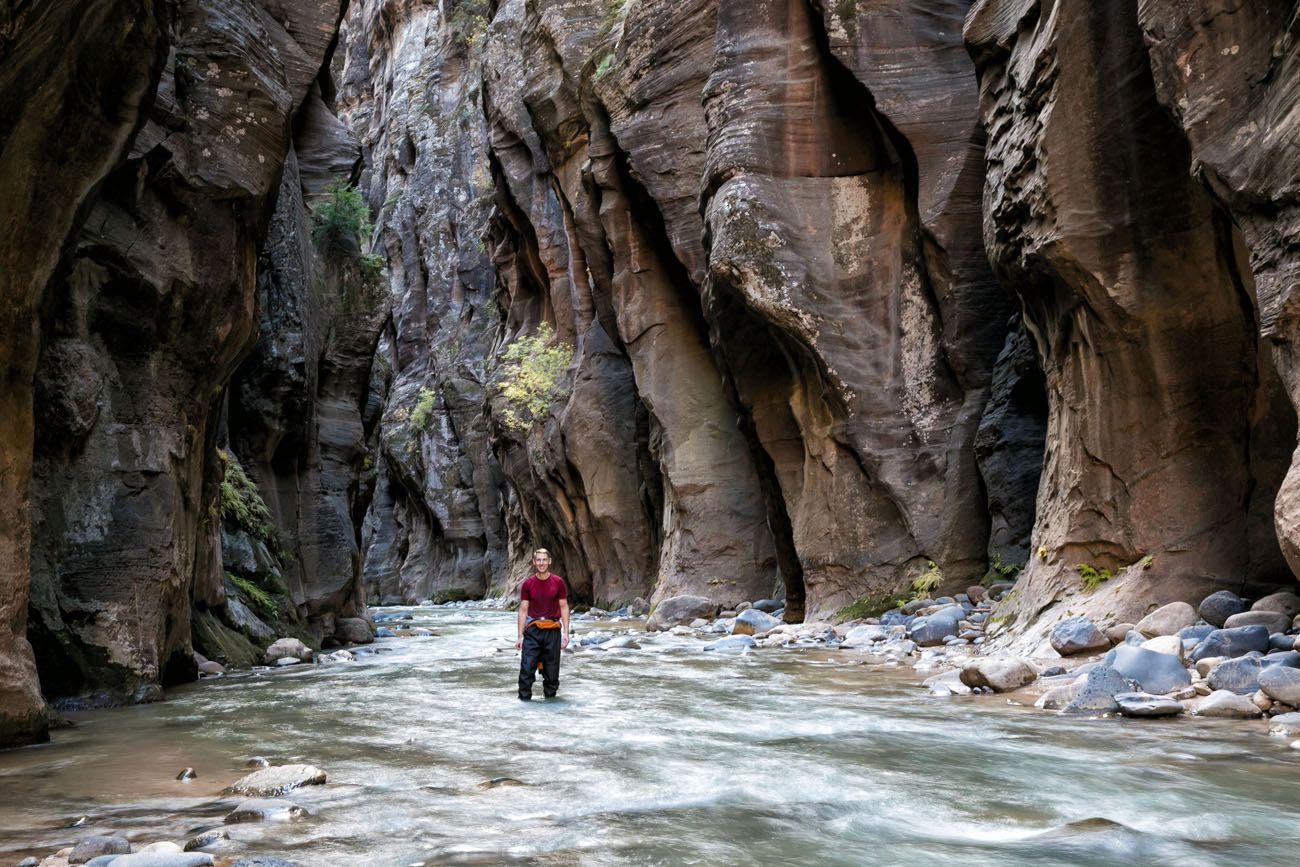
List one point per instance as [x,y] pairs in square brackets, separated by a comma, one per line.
[341,229]
[529,376]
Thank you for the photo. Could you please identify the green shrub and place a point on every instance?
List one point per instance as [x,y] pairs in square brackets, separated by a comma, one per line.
[422,415]
[529,376]
[341,230]
[872,605]
[264,602]
[1092,577]
[1000,571]
[925,583]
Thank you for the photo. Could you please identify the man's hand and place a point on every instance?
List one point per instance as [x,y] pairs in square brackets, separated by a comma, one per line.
[564,642]
[519,643]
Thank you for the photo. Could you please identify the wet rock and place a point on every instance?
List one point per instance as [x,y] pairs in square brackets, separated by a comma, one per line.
[1117,632]
[497,782]
[262,862]
[680,610]
[1273,621]
[206,840]
[1000,673]
[946,683]
[1058,697]
[732,643]
[860,636]
[186,774]
[1232,642]
[265,810]
[287,661]
[29,862]
[212,667]
[285,648]
[1167,619]
[162,859]
[1156,672]
[753,621]
[1076,635]
[353,630]
[1261,700]
[1223,704]
[164,847]
[1170,644]
[1216,608]
[93,847]
[1285,725]
[1239,675]
[622,642]
[1142,704]
[384,632]
[271,782]
[932,630]
[257,762]
[1281,683]
[1283,602]
[1096,693]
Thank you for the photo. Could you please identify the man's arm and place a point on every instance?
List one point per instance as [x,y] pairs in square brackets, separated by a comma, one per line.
[564,621]
[523,618]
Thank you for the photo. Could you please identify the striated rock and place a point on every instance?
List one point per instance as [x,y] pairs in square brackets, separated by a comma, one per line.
[1077,635]
[1168,620]
[1218,607]
[275,781]
[1000,673]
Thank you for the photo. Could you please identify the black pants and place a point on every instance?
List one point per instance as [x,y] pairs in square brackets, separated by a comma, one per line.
[544,645]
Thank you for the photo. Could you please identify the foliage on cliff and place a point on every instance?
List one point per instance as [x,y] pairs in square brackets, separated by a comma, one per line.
[529,377]
[341,230]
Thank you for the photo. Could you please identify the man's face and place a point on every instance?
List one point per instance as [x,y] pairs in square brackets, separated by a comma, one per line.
[542,562]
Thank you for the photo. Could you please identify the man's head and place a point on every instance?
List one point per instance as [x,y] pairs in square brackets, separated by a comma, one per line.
[542,561]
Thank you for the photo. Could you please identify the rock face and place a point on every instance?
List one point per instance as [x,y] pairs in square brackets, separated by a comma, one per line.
[1140,301]
[97,78]
[142,330]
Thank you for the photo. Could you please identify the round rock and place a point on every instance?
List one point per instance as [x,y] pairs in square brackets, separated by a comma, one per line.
[1284,602]
[1233,642]
[1271,620]
[679,611]
[1157,673]
[93,847]
[1240,675]
[1223,704]
[1218,607]
[752,621]
[999,673]
[1077,635]
[1167,619]
[1281,683]
[1143,704]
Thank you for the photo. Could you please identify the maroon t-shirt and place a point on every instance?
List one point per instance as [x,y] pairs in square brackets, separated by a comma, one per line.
[543,597]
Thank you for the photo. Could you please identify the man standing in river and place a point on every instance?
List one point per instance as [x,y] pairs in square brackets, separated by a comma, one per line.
[543,627]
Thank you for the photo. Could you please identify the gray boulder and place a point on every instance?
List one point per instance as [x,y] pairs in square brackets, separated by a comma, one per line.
[860,636]
[1196,633]
[1156,672]
[1167,620]
[752,621]
[1218,607]
[1232,642]
[272,782]
[93,847]
[1096,693]
[679,611]
[1273,621]
[1285,602]
[932,630]
[999,673]
[639,607]
[1223,704]
[767,606]
[1240,675]
[1077,635]
[732,643]
[1287,658]
[353,630]
[161,859]
[1285,725]
[1142,704]
[1281,683]
[286,648]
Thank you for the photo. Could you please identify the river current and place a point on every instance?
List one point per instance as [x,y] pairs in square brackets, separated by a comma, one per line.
[666,754]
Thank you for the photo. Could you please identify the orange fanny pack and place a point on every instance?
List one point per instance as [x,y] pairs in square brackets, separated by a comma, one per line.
[546,624]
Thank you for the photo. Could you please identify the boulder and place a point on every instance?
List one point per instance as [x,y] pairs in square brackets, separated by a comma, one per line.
[1240,675]
[1143,704]
[1096,691]
[860,636]
[1000,673]
[276,781]
[732,643]
[1284,602]
[1170,644]
[1218,607]
[679,611]
[265,810]
[752,621]
[1058,697]
[1281,683]
[1156,672]
[206,839]
[1285,725]
[212,667]
[767,606]
[1117,632]
[932,630]
[93,847]
[1223,704]
[353,630]
[1273,621]
[946,683]
[1167,620]
[286,648]
[1077,635]
[639,607]
[1206,665]
[1288,658]
[163,859]
[1196,633]
[1232,642]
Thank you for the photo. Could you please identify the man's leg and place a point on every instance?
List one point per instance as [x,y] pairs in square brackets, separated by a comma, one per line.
[532,651]
[551,663]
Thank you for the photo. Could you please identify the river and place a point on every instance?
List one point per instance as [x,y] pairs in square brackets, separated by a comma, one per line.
[660,755]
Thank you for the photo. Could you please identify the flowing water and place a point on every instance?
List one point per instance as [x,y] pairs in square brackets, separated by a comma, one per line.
[662,755]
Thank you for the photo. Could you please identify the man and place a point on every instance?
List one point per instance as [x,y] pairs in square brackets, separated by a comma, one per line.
[543,627]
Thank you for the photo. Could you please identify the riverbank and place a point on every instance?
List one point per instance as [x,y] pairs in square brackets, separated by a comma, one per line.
[662,752]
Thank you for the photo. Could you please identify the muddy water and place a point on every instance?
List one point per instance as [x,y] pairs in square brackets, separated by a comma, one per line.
[663,755]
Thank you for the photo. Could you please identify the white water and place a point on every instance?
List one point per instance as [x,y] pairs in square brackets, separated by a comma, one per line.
[663,755]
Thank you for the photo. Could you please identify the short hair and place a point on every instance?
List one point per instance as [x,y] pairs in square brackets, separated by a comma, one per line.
[541,551]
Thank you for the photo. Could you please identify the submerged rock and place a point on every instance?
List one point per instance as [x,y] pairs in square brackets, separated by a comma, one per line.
[206,839]
[270,782]
[265,810]
[160,859]
[733,643]
[1285,725]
